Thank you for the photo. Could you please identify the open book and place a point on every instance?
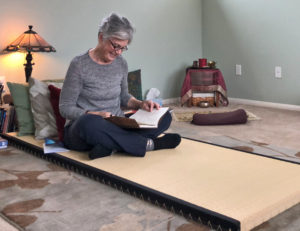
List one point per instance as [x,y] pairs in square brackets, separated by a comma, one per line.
[140,119]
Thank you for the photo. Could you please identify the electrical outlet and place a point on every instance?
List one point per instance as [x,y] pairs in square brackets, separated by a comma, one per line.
[278,72]
[238,69]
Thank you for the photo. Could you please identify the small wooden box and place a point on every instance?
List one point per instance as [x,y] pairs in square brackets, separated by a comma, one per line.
[213,99]
[197,100]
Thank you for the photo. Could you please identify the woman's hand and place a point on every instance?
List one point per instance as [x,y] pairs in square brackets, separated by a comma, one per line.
[103,114]
[148,105]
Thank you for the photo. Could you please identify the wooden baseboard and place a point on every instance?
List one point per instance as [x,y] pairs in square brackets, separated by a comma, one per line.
[171,100]
[247,102]
[265,104]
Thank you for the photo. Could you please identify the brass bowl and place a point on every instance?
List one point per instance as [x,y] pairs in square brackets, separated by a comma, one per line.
[204,104]
[211,64]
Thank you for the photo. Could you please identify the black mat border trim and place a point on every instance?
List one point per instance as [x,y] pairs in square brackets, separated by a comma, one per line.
[192,212]
[252,153]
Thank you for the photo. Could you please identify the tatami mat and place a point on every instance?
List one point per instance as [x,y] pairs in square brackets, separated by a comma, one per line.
[239,185]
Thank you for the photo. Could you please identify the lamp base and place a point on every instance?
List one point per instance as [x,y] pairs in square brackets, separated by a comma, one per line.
[28,66]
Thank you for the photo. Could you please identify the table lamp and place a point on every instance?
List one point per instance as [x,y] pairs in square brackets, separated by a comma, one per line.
[29,41]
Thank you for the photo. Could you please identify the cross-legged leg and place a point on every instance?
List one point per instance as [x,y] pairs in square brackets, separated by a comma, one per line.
[91,130]
[155,132]
[167,141]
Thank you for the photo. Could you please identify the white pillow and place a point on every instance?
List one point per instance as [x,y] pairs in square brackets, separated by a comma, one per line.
[43,115]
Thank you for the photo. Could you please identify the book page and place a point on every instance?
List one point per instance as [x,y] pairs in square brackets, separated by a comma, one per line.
[54,149]
[149,118]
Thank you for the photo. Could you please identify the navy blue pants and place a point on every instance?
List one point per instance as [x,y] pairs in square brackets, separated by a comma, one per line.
[89,130]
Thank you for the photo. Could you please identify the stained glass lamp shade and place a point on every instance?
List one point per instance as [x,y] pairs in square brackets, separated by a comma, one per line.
[29,41]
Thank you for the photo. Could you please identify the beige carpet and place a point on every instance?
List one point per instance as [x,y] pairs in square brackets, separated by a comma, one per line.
[245,187]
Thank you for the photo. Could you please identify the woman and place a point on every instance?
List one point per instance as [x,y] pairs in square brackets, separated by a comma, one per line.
[96,87]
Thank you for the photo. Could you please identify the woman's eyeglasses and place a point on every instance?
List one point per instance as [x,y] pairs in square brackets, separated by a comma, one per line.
[117,47]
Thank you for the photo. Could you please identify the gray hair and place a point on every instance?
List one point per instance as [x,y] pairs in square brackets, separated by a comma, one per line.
[116,26]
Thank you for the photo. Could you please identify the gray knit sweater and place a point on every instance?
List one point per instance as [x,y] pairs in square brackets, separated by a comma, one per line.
[89,86]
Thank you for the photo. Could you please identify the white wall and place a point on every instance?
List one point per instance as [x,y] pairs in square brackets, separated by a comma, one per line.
[259,35]
[167,39]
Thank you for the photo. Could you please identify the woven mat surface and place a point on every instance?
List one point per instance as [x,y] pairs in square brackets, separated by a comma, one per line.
[239,185]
